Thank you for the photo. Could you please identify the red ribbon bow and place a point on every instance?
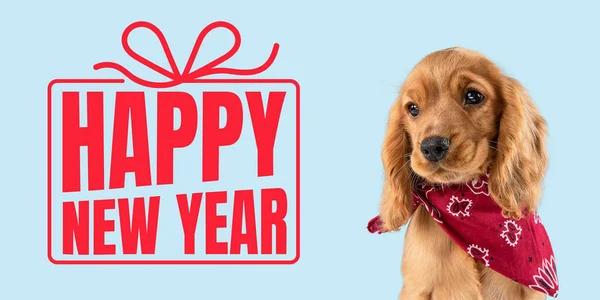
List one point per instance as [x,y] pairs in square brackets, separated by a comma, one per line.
[187,75]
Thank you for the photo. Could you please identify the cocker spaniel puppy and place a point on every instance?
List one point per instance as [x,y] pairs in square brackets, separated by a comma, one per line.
[464,156]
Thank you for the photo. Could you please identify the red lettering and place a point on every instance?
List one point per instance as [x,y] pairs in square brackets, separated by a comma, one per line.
[136,226]
[213,136]
[101,226]
[214,221]
[189,220]
[265,127]
[75,136]
[270,218]
[243,205]
[139,162]
[167,137]
[77,227]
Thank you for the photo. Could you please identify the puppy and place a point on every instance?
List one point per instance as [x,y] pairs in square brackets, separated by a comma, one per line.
[458,118]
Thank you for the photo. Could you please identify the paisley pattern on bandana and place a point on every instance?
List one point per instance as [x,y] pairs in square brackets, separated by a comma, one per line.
[479,254]
[546,280]
[511,233]
[459,208]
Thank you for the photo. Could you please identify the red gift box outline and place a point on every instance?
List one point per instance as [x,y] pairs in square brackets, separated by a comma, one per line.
[176,77]
[175,262]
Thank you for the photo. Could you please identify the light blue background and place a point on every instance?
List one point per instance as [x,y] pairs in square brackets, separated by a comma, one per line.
[350,59]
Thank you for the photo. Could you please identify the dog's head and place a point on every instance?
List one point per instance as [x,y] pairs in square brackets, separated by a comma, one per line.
[456,116]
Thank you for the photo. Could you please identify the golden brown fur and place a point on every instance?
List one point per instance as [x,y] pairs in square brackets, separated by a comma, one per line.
[505,133]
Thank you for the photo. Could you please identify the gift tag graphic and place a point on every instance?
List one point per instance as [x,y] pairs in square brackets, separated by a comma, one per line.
[189,170]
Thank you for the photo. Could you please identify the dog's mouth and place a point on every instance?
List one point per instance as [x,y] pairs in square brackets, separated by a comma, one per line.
[459,167]
[439,174]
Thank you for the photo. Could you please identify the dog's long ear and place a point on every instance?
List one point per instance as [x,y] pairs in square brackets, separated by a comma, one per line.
[396,203]
[518,171]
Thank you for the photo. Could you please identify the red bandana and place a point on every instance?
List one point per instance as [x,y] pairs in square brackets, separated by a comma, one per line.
[519,250]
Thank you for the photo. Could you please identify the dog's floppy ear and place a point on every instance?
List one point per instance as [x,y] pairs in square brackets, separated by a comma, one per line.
[517,173]
[396,203]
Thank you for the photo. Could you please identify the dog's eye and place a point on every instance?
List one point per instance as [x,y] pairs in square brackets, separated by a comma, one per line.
[413,110]
[473,97]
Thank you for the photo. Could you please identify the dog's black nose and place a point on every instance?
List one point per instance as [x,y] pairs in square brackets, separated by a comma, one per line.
[435,148]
